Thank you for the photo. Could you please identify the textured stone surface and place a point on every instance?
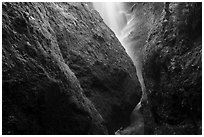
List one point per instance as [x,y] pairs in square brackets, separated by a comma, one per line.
[172,71]
[64,71]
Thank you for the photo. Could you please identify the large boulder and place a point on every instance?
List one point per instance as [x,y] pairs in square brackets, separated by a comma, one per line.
[172,71]
[64,71]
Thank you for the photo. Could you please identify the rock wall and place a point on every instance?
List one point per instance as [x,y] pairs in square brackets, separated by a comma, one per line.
[172,70]
[64,71]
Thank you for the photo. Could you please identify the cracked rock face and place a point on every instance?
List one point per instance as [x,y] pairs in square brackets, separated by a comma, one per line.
[64,71]
[172,70]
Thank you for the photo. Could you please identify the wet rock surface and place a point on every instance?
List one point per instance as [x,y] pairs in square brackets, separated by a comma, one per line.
[172,70]
[64,71]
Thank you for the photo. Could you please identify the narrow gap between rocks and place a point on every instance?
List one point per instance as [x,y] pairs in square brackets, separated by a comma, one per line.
[122,22]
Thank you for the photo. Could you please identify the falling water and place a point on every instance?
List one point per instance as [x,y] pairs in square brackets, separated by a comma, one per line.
[122,24]
[110,12]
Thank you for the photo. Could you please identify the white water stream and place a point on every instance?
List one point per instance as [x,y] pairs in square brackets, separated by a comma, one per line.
[122,24]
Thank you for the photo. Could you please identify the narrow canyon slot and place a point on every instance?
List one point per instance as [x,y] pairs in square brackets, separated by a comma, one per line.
[123,22]
[101,68]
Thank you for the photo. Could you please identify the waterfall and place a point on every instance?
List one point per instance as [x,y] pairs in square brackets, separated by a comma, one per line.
[122,24]
[111,14]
